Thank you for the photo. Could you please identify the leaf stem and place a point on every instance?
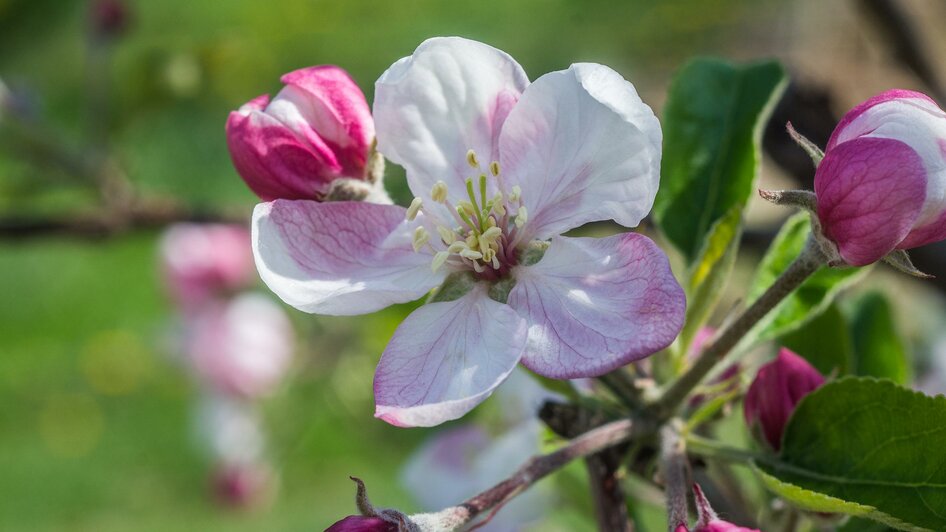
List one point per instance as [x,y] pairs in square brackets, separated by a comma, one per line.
[715,449]
[808,262]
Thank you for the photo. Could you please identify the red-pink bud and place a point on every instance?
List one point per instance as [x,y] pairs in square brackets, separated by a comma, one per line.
[776,390]
[357,523]
[241,486]
[109,18]
[316,130]
[882,183]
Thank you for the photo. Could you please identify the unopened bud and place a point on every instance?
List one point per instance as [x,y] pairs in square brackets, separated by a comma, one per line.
[773,395]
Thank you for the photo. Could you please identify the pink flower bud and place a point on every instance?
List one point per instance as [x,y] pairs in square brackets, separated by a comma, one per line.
[708,521]
[109,18]
[204,261]
[357,523]
[882,183]
[316,130]
[777,388]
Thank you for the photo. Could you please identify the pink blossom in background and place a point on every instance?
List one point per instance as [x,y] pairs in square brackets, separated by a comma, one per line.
[459,462]
[500,169]
[242,347]
[242,485]
[774,393]
[316,130]
[882,183]
[202,262]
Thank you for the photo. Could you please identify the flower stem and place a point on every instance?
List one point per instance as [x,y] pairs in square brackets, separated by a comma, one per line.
[714,449]
[807,263]
[540,466]
[674,468]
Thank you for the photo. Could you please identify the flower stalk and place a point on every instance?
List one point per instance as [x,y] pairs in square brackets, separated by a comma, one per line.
[807,263]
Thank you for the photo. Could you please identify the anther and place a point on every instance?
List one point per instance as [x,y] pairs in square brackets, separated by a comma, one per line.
[516,193]
[448,236]
[472,160]
[416,205]
[494,168]
[421,237]
[521,217]
[471,254]
[440,258]
[439,192]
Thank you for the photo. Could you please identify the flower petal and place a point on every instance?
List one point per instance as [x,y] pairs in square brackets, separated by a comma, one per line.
[446,358]
[339,258]
[915,119]
[596,304]
[450,96]
[583,147]
[870,192]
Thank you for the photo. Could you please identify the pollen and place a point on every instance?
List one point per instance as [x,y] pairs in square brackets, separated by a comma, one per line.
[494,168]
[472,160]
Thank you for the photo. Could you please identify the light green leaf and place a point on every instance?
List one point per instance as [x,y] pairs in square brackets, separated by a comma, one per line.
[810,299]
[869,448]
[712,124]
[878,349]
[708,275]
[824,341]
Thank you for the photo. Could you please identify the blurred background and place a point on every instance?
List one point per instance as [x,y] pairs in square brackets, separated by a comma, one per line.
[112,127]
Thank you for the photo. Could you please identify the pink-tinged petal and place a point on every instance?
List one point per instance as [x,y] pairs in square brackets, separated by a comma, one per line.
[583,147]
[596,304]
[776,390]
[358,523]
[452,95]
[339,258]
[708,521]
[870,192]
[446,358]
[914,119]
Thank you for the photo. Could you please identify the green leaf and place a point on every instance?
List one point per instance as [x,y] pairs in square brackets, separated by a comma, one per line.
[824,341]
[810,299]
[868,448]
[712,124]
[879,351]
[708,275]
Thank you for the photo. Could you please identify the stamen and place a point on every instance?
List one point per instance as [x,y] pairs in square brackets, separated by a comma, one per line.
[439,192]
[462,211]
[494,168]
[421,237]
[440,258]
[457,247]
[471,254]
[416,205]
[521,217]
[516,193]
[472,160]
[447,236]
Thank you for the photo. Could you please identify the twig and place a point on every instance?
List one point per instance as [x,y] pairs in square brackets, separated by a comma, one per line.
[540,466]
[807,263]
[674,468]
[142,217]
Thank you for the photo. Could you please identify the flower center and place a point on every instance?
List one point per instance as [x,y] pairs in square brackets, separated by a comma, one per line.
[483,232]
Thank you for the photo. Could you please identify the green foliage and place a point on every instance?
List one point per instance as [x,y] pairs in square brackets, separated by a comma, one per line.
[868,448]
[712,122]
[812,298]
[708,274]
[824,341]
[879,350]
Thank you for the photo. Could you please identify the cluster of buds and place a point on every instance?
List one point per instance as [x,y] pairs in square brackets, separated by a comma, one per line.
[237,344]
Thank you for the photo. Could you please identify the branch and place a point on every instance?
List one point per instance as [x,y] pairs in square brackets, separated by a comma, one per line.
[140,217]
[538,467]
[674,468]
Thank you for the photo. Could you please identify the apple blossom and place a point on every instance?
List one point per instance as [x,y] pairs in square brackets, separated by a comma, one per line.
[774,393]
[500,169]
[317,131]
[882,183]
[201,262]
[242,347]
